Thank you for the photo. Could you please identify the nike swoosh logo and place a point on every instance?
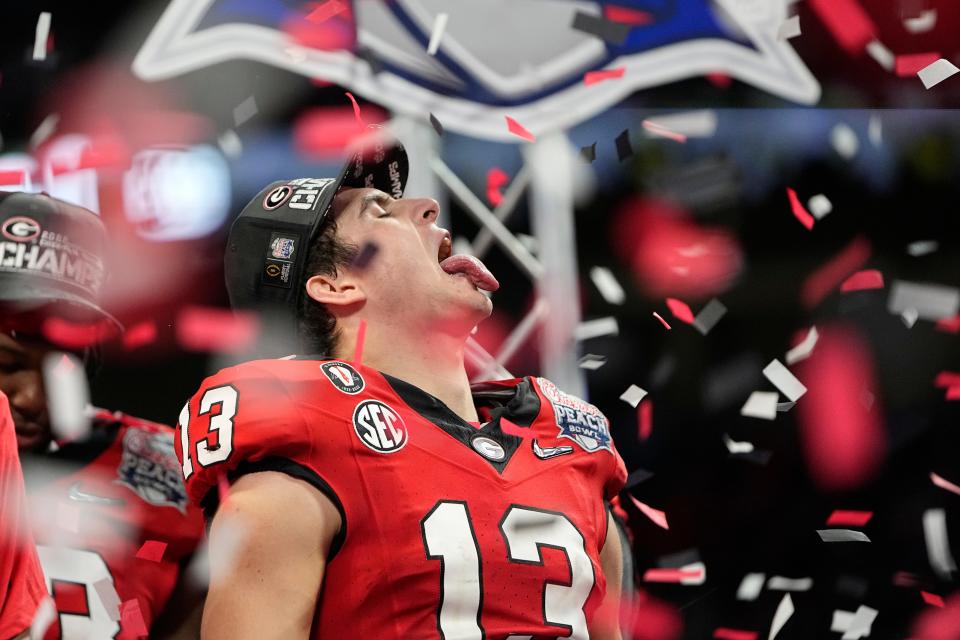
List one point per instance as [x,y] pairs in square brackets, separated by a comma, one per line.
[82,496]
[550,452]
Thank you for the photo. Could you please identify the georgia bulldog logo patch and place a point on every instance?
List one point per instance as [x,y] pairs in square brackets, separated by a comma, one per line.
[343,376]
[578,420]
[149,468]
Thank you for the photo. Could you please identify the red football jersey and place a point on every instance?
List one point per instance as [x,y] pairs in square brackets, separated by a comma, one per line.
[94,504]
[21,579]
[450,530]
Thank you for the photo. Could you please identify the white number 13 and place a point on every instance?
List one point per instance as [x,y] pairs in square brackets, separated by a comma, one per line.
[449,537]
[222,423]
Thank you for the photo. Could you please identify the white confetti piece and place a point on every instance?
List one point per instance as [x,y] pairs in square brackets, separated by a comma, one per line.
[922,247]
[943,483]
[841,620]
[607,285]
[736,447]
[860,624]
[783,380]
[789,28]
[909,317]
[875,131]
[230,144]
[783,613]
[45,130]
[930,301]
[701,574]
[596,328]
[68,395]
[244,111]
[783,407]
[819,205]
[761,404]
[108,597]
[844,141]
[922,23]
[780,583]
[633,395]
[709,316]
[439,26]
[43,617]
[936,72]
[803,350]
[842,535]
[938,543]
[690,124]
[42,36]
[881,54]
[591,362]
[751,586]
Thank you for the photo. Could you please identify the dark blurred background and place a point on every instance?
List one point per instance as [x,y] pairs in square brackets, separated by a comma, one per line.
[167,165]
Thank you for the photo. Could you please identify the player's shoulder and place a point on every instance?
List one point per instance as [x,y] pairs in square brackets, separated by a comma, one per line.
[576,419]
[106,419]
[294,370]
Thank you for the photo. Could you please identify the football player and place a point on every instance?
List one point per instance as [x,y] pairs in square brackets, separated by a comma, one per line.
[95,501]
[21,580]
[369,491]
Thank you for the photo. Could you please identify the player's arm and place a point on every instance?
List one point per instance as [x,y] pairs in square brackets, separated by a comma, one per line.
[605,624]
[269,544]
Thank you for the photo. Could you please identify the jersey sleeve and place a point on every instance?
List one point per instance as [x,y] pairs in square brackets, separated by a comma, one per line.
[22,585]
[616,476]
[242,420]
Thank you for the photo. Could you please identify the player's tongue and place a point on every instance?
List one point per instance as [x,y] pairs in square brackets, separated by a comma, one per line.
[479,275]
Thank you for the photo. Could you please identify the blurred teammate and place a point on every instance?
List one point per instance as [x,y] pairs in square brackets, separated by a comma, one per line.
[21,579]
[390,499]
[94,501]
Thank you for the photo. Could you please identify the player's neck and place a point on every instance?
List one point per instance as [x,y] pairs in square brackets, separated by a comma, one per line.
[433,363]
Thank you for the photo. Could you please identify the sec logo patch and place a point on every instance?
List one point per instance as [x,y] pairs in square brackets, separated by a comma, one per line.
[379,427]
[343,377]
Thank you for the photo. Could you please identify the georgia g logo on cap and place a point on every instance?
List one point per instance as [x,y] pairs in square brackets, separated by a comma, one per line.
[21,229]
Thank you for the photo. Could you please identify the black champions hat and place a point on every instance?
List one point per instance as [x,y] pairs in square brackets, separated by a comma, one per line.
[266,257]
[51,254]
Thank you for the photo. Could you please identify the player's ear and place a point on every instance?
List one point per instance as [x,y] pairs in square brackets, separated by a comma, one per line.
[331,290]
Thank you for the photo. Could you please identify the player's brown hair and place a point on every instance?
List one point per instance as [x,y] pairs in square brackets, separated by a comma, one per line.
[317,328]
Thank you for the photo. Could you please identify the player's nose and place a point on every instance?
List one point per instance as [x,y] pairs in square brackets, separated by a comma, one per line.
[424,210]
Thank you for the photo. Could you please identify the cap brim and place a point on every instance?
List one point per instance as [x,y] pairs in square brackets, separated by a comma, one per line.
[74,308]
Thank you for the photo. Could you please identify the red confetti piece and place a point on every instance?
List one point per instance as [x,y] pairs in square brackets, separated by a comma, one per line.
[909,64]
[953,393]
[131,618]
[939,623]
[723,633]
[517,129]
[847,22]
[863,280]
[72,335]
[671,575]
[680,310]
[152,550]
[851,518]
[593,77]
[719,79]
[12,177]
[645,420]
[950,325]
[496,179]
[823,280]
[140,334]
[662,321]
[626,15]
[356,110]
[943,483]
[216,330]
[799,211]
[947,379]
[327,10]
[358,347]
[325,132]
[843,441]
[658,517]
[64,366]
[932,599]
[662,131]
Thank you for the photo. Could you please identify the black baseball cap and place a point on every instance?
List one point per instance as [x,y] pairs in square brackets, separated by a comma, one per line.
[266,255]
[51,254]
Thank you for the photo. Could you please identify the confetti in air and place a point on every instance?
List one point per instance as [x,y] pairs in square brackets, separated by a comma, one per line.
[799,212]
[849,518]
[244,111]
[591,362]
[593,77]
[761,404]
[358,347]
[936,72]
[152,550]
[517,129]
[783,613]
[633,395]
[42,36]
[439,25]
